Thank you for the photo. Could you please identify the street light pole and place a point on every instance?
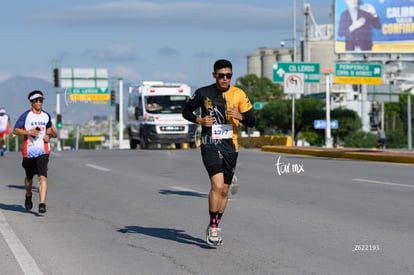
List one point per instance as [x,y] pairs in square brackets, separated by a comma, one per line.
[294,60]
[121,111]
[58,145]
[409,119]
[294,30]
[328,137]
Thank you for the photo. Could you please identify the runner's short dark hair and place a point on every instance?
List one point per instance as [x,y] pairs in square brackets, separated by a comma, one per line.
[222,63]
[33,93]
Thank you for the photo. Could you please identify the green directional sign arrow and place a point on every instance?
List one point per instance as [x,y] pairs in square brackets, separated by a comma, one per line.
[89,90]
[358,73]
[311,71]
[259,105]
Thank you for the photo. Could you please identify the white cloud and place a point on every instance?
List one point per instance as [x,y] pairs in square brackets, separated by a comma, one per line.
[4,76]
[167,52]
[47,76]
[171,76]
[128,74]
[190,14]
[203,55]
[115,53]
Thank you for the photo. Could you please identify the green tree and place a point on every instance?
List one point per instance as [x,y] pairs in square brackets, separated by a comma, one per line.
[12,143]
[396,139]
[395,123]
[276,117]
[259,89]
[361,139]
[314,138]
[348,121]
[307,110]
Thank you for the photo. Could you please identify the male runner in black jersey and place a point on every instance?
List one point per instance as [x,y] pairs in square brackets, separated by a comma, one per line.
[224,108]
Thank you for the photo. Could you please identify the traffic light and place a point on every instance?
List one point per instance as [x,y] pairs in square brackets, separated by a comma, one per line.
[58,121]
[113,98]
[374,117]
[56,77]
[117,112]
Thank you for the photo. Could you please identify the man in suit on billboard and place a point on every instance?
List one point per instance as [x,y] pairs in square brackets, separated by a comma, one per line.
[355,25]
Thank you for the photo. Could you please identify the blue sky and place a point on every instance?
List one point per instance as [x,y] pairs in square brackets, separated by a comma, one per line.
[141,39]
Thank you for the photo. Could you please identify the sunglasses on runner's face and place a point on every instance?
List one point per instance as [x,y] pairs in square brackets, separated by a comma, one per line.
[228,76]
[39,99]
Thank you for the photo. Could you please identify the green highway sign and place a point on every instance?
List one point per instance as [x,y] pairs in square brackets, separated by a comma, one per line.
[89,94]
[358,73]
[310,70]
[89,90]
[259,105]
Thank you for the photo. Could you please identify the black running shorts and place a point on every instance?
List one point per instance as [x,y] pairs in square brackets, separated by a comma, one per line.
[219,162]
[35,166]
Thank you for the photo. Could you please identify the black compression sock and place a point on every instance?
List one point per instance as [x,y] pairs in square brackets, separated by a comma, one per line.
[213,218]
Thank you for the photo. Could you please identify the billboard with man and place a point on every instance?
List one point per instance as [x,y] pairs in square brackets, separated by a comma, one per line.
[374,26]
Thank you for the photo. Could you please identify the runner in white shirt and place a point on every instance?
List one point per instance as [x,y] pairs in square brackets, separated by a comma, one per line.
[4,130]
[36,126]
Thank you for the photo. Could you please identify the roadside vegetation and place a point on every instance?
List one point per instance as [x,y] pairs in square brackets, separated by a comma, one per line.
[275,118]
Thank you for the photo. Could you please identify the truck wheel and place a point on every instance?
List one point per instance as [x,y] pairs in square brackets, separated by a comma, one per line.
[133,144]
[142,143]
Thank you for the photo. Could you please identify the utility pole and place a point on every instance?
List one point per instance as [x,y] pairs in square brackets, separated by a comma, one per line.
[110,133]
[306,47]
[409,119]
[364,110]
[59,147]
[328,137]
[121,111]
[56,84]
[294,60]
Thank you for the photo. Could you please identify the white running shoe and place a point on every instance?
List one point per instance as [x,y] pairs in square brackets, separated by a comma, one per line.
[234,187]
[213,236]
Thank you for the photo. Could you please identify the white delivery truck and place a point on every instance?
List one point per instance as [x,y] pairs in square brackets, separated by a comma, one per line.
[155,115]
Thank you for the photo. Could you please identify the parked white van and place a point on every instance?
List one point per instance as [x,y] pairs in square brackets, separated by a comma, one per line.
[155,115]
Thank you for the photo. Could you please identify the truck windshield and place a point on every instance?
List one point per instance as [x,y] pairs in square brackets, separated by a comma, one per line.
[165,104]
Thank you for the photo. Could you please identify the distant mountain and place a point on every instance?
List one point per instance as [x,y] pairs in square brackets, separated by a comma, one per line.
[13,97]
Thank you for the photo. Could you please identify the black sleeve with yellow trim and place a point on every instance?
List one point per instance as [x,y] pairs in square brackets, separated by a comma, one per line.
[189,108]
[249,118]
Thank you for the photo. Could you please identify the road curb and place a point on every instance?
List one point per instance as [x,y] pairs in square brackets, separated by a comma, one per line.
[359,154]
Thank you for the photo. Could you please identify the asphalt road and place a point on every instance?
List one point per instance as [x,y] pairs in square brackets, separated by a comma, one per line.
[145,212]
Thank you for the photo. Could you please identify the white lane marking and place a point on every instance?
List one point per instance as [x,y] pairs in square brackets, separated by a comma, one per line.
[98,167]
[384,183]
[23,257]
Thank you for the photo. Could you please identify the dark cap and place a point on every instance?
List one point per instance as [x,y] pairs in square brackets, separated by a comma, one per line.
[35,94]
[222,63]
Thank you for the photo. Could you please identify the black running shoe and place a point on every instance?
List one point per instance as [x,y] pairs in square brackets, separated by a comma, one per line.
[28,203]
[42,208]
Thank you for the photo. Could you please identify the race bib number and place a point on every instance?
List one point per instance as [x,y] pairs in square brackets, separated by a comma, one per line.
[222,131]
